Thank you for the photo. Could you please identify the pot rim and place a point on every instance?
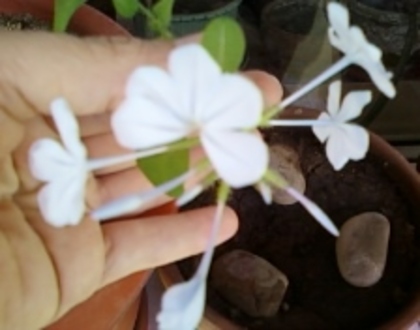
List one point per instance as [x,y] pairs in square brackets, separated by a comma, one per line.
[229,7]
[86,20]
[397,168]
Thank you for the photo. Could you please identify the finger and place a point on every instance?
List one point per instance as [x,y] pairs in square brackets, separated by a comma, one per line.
[105,145]
[89,72]
[127,182]
[89,126]
[95,125]
[74,250]
[268,84]
[12,133]
[140,244]
[28,286]
[35,129]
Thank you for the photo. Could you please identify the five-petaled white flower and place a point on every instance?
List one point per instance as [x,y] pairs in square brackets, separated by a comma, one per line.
[62,167]
[194,97]
[345,140]
[352,42]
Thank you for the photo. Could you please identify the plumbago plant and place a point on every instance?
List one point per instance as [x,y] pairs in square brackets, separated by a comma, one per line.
[200,101]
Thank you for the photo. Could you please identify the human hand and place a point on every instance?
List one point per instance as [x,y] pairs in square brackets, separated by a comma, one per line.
[46,271]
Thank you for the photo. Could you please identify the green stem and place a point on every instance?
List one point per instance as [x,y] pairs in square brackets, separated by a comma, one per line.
[275,179]
[164,32]
[222,197]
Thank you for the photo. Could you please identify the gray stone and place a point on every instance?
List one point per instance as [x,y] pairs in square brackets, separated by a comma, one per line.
[249,282]
[285,161]
[362,248]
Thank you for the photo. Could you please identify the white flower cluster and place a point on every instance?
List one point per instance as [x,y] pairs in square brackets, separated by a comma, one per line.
[193,98]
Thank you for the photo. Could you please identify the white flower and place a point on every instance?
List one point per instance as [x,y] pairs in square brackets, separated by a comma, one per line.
[183,304]
[352,42]
[195,98]
[63,168]
[345,141]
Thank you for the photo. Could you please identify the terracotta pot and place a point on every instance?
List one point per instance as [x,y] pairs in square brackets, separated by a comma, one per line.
[86,21]
[399,170]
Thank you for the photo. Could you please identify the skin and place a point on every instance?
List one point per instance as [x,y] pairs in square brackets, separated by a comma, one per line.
[45,271]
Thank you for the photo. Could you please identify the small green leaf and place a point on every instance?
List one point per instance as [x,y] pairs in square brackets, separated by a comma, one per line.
[164,167]
[225,41]
[126,8]
[63,11]
[163,12]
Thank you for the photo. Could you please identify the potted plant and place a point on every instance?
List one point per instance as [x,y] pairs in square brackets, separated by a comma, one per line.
[199,102]
[317,296]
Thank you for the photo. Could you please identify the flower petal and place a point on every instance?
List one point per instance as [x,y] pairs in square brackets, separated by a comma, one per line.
[337,41]
[239,158]
[155,85]
[183,305]
[315,211]
[194,72]
[68,128]
[381,78]
[336,155]
[322,132]
[62,201]
[347,142]
[338,16]
[334,97]
[353,104]
[49,161]
[355,141]
[141,123]
[238,104]
[367,49]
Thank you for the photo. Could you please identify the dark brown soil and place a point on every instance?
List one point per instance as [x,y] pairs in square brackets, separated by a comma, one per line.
[17,22]
[288,237]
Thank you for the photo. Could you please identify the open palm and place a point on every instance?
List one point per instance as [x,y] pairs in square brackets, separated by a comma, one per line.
[46,271]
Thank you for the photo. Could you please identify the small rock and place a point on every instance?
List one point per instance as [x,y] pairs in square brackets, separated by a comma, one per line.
[285,161]
[249,282]
[362,248]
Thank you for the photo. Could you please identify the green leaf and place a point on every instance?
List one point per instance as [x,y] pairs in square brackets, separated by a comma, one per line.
[164,167]
[163,12]
[126,8]
[63,11]
[225,41]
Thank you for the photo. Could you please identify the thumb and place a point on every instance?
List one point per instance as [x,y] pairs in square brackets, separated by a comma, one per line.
[140,244]
[89,72]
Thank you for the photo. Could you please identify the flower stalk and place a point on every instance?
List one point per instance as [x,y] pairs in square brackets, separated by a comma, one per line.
[99,163]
